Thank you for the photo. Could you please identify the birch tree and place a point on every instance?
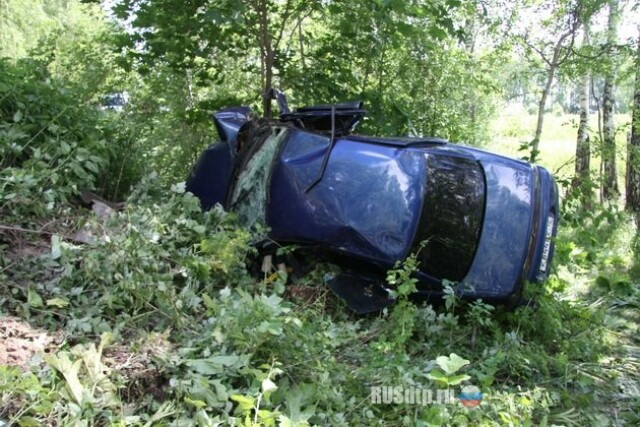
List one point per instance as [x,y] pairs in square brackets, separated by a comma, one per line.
[633,154]
[583,146]
[610,179]
[552,51]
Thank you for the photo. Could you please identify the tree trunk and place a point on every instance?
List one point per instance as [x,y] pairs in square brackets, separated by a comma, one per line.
[269,44]
[551,72]
[581,180]
[261,9]
[633,154]
[535,144]
[610,179]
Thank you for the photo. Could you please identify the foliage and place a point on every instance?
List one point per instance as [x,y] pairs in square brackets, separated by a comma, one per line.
[23,396]
[79,54]
[162,323]
[51,147]
[222,348]
[24,25]
[156,262]
[375,52]
[163,128]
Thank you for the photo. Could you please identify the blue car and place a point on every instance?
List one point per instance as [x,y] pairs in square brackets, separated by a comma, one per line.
[483,221]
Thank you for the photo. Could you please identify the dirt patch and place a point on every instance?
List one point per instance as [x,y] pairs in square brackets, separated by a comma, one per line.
[140,373]
[19,341]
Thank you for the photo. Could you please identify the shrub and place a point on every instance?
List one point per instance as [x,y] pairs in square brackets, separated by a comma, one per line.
[51,147]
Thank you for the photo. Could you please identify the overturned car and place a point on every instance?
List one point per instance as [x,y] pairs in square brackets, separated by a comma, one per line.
[481,220]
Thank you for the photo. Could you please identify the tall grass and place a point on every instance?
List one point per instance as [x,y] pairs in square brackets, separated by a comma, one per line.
[558,143]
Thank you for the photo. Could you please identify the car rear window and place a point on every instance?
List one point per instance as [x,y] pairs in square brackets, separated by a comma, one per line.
[451,218]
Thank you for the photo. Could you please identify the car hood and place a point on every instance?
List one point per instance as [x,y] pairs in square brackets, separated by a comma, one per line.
[503,248]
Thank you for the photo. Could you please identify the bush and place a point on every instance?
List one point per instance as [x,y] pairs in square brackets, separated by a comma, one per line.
[51,147]
[199,341]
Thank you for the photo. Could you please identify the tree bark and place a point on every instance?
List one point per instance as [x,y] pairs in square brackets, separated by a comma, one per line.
[633,149]
[610,179]
[552,65]
[535,144]
[268,45]
[581,180]
[261,8]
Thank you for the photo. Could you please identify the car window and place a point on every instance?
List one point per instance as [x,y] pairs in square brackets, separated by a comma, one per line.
[451,218]
[249,190]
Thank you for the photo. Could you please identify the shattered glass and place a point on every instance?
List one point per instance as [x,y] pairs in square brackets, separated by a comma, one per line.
[249,197]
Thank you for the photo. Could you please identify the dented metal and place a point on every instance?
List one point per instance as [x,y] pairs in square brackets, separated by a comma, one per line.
[485,221]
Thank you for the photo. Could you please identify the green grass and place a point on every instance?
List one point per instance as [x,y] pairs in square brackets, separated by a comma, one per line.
[558,141]
[183,334]
[161,324]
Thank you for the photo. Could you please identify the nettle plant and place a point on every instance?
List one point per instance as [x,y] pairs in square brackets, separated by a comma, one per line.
[150,265]
[51,146]
[238,351]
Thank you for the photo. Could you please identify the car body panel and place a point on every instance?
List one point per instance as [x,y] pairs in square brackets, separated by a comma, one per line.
[505,235]
[210,176]
[363,198]
[367,203]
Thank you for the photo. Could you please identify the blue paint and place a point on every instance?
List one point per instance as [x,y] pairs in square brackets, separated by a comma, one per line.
[374,196]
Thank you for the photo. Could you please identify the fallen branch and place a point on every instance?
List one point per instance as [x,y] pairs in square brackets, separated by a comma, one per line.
[46,233]
[25,230]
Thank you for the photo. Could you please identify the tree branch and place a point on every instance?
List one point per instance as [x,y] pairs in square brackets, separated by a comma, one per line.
[24,230]
[285,18]
[538,51]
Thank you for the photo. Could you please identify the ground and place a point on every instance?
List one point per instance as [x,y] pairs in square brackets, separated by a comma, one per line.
[19,342]
[149,314]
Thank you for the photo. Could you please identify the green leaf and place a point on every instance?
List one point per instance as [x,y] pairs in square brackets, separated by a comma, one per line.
[69,371]
[302,396]
[268,385]
[28,422]
[198,404]
[214,365]
[451,364]
[17,116]
[92,167]
[57,302]
[457,379]
[284,421]
[55,247]
[205,367]
[178,188]
[226,360]
[64,147]
[79,172]
[245,403]
[438,376]
[33,299]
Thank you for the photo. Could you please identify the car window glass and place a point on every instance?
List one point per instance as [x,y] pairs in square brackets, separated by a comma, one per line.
[452,215]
